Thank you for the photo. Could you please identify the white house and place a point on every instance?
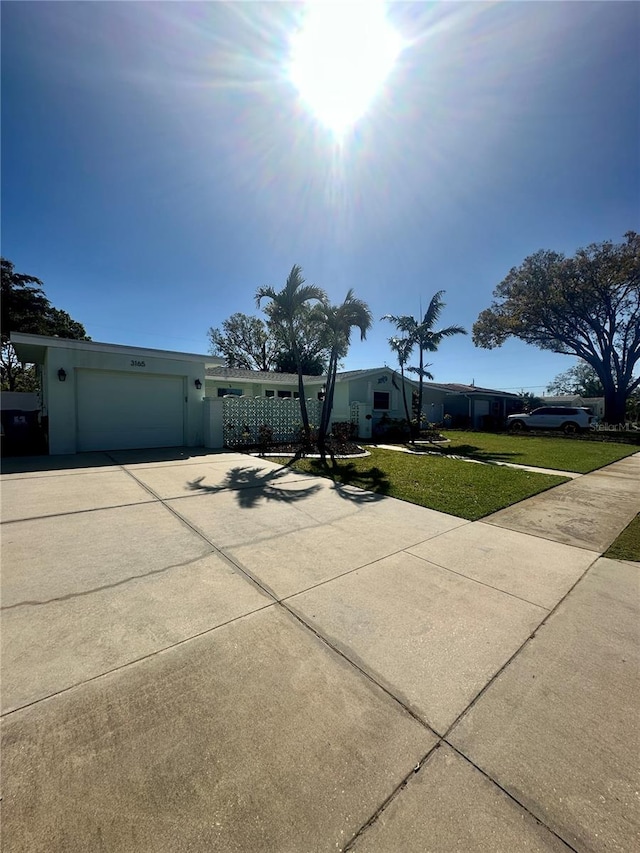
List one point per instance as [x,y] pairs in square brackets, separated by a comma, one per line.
[98,396]
[101,396]
[378,391]
[595,404]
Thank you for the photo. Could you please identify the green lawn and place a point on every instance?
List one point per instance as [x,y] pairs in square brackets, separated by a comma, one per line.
[563,454]
[447,485]
[627,545]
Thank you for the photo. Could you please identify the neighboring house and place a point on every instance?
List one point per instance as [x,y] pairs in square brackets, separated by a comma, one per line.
[379,389]
[594,404]
[477,407]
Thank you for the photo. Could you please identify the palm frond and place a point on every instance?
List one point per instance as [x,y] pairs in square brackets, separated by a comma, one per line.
[424,372]
[402,347]
[432,340]
[307,293]
[434,310]
[265,293]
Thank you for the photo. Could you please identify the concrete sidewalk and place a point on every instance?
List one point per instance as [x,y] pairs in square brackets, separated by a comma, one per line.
[211,653]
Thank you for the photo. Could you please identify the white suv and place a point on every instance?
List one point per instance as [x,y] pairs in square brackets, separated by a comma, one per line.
[569,419]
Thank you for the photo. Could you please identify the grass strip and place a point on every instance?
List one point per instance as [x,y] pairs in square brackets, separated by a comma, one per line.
[459,488]
[547,451]
[627,545]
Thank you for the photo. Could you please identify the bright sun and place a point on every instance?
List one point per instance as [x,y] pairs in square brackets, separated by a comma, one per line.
[340,58]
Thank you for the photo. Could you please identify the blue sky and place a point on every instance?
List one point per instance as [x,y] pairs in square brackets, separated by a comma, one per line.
[158,166]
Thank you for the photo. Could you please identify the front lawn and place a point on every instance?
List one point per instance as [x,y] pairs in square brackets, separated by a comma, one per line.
[546,451]
[447,485]
[627,545]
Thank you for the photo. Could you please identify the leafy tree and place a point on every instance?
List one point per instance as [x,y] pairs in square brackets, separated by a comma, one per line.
[402,347]
[587,306]
[251,343]
[580,379]
[16,376]
[339,320]
[25,308]
[24,304]
[287,305]
[314,342]
[423,336]
[244,342]
[527,401]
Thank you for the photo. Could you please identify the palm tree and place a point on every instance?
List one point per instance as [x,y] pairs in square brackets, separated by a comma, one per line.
[403,348]
[422,335]
[286,306]
[340,319]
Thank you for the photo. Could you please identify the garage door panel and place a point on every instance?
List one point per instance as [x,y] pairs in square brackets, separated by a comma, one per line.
[118,411]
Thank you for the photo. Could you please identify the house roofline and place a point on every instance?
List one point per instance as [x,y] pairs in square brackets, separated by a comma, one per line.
[35,345]
[260,376]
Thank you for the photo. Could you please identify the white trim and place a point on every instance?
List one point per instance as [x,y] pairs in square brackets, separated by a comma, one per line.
[23,339]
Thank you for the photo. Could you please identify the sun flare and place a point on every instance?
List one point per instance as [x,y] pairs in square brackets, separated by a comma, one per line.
[340,58]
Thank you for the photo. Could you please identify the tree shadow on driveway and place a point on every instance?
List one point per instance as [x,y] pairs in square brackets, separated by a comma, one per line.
[253,484]
[373,481]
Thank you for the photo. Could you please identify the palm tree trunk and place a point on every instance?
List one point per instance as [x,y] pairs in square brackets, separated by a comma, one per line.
[420,384]
[327,403]
[302,400]
[331,390]
[404,398]
[303,407]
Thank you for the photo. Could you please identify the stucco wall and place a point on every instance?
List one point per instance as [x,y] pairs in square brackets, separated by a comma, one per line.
[61,397]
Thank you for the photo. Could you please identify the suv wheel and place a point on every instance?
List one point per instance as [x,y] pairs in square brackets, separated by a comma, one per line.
[570,428]
[517,426]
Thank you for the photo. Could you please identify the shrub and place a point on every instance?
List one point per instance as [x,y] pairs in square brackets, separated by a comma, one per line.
[344,431]
[265,436]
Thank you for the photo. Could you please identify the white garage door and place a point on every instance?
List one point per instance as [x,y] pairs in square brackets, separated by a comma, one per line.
[129,410]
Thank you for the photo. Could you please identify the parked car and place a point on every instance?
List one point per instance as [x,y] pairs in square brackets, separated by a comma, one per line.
[570,419]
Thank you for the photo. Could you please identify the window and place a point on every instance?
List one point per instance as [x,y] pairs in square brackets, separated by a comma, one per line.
[381,400]
[284,394]
[269,393]
[235,392]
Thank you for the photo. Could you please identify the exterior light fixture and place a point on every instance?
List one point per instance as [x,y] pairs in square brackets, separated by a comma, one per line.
[62,374]
[198,384]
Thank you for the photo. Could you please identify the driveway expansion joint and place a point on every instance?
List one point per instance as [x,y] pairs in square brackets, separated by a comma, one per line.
[134,662]
[392,796]
[506,791]
[334,648]
[517,652]
[214,548]
[476,580]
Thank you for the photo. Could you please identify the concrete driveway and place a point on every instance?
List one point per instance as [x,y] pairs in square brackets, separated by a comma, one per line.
[207,652]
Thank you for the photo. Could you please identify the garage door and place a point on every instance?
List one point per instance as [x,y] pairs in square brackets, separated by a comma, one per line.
[129,410]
